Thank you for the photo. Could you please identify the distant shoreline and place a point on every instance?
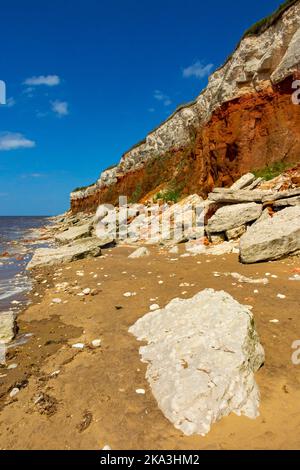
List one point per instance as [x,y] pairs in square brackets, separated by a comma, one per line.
[19,236]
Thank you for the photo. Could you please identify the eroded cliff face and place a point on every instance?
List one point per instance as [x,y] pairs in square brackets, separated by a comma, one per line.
[244,120]
[245,134]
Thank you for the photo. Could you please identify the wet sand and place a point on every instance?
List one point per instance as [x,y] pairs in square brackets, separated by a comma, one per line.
[92,400]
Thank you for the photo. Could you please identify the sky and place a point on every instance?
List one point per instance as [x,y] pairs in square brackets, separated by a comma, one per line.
[87,79]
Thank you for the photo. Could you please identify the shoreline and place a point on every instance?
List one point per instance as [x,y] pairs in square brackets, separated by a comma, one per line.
[91,392]
[17,254]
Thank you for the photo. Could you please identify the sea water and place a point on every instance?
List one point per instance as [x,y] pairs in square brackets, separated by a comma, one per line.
[15,252]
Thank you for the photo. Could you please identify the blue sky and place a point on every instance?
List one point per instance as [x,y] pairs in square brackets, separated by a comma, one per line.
[86,79]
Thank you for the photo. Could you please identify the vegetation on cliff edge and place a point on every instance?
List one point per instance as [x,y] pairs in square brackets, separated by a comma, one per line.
[262,25]
[272,171]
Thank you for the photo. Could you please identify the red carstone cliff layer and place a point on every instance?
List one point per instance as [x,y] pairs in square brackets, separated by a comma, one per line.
[245,134]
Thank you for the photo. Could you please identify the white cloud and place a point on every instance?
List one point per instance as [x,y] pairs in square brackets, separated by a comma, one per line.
[198,70]
[14,141]
[10,102]
[151,110]
[32,175]
[41,114]
[48,80]
[28,92]
[159,96]
[61,108]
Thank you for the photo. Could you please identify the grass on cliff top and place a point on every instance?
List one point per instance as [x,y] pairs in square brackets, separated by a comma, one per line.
[272,171]
[262,25]
[83,188]
[265,23]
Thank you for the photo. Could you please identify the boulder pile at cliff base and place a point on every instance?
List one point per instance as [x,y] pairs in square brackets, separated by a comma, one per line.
[253,218]
[266,221]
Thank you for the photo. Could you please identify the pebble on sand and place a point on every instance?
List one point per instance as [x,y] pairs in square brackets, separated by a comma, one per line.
[154,307]
[14,392]
[129,294]
[296,277]
[140,391]
[78,346]
[86,291]
[55,373]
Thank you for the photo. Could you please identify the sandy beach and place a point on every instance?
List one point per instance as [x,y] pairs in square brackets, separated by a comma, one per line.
[86,399]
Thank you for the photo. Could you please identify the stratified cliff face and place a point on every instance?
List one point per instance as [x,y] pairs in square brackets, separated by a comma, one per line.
[244,120]
[248,133]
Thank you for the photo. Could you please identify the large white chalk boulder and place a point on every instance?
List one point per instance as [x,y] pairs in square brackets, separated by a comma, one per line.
[233,216]
[202,355]
[74,233]
[272,238]
[85,248]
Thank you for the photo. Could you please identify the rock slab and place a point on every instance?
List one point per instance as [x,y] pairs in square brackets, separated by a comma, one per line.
[74,233]
[273,238]
[86,248]
[234,216]
[236,233]
[292,201]
[7,327]
[229,196]
[139,253]
[243,182]
[202,354]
